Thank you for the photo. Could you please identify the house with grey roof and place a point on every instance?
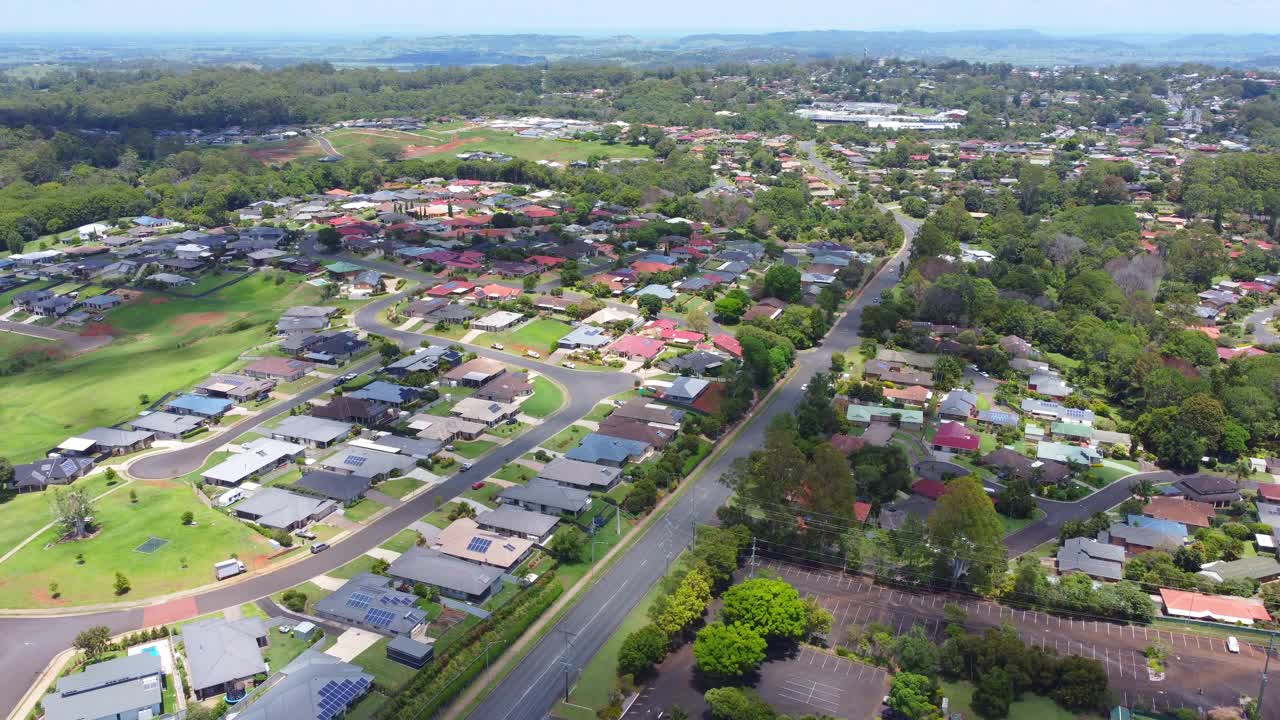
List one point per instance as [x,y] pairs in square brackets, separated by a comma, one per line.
[126,687]
[585,336]
[697,362]
[166,425]
[386,393]
[958,405]
[371,602]
[516,522]
[608,450]
[314,685]
[313,432]
[258,458]
[240,388]
[283,510]
[339,487]
[222,655]
[546,497]
[581,475]
[416,448]
[685,390]
[367,463]
[40,474]
[1100,561]
[453,577]
[109,440]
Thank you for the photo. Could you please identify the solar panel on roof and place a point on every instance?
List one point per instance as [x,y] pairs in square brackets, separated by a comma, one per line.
[378,618]
[509,547]
[359,601]
[479,544]
[354,460]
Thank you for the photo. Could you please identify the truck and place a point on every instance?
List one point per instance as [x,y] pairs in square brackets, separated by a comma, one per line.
[228,568]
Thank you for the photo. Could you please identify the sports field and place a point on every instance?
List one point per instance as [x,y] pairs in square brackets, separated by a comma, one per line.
[432,142]
[162,344]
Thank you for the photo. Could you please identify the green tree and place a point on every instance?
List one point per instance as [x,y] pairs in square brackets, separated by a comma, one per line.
[968,533]
[6,472]
[121,584]
[642,650]
[911,695]
[773,608]
[686,605]
[188,517]
[728,651]
[72,509]
[730,309]
[568,545]
[783,282]
[1082,684]
[917,653]
[93,641]
[329,240]
[731,703]
[295,600]
[650,305]
[994,694]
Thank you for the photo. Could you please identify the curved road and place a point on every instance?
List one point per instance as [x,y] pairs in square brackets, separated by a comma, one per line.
[1259,319]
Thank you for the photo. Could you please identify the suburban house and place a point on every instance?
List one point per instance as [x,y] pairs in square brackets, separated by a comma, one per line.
[109,441]
[1067,454]
[314,432]
[1140,534]
[497,321]
[685,390]
[1245,611]
[916,396]
[314,685]
[237,388]
[864,415]
[464,540]
[1100,561]
[334,348]
[371,602]
[278,368]
[954,437]
[454,578]
[348,409]
[958,405]
[484,412]
[223,655]
[40,474]
[341,488]
[1179,510]
[606,450]
[629,429]
[1210,489]
[505,388]
[126,688]
[474,373]
[516,522]
[651,412]
[584,336]
[199,405]
[282,510]
[547,498]
[1262,568]
[1055,412]
[367,463]
[581,475]
[380,391]
[167,425]
[635,347]
[445,430]
[427,359]
[259,457]
[1009,463]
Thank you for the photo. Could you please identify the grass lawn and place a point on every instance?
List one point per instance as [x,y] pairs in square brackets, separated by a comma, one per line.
[1030,707]
[1013,525]
[367,707]
[283,649]
[362,564]
[599,412]
[439,518]
[604,539]
[506,431]
[1109,475]
[401,541]
[387,673]
[546,399]
[26,513]
[484,494]
[314,594]
[24,578]
[566,438]
[398,487]
[162,344]
[516,473]
[539,335]
[484,139]
[472,449]
[362,510]
[12,345]
[987,443]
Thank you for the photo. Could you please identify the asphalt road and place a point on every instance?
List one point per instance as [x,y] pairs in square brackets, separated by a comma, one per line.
[1259,319]
[537,682]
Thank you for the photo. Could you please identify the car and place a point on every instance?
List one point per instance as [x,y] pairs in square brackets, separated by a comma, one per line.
[804,386]
[317,548]
[305,534]
[348,377]
[533,354]
[1233,645]
[512,421]
[466,466]
[284,629]
[449,448]
[497,346]
[477,485]
[571,365]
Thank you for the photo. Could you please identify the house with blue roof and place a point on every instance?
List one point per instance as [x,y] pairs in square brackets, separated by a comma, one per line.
[199,405]
[387,393]
[997,418]
[610,451]
[659,291]
[588,336]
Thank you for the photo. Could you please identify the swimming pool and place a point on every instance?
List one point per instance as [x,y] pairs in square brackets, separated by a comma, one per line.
[152,650]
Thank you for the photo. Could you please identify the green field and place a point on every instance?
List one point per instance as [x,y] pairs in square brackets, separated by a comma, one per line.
[13,344]
[313,592]
[566,438]
[517,473]
[362,510]
[24,578]
[546,399]
[1030,707]
[28,512]
[472,449]
[538,335]
[162,345]
[430,143]
[362,564]
[398,487]
[387,673]
[401,541]
[599,412]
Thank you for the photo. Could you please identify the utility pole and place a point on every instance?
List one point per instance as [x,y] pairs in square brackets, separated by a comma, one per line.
[752,573]
[564,660]
[1262,685]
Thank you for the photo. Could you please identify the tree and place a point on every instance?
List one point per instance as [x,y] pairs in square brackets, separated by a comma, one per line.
[380,566]
[771,607]
[947,373]
[568,545]
[650,305]
[295,600]
[1082,683]
[699,320]
[529,283]
[728,651]
[121,584]
[994,694]
[968,533]
[6,472]
[686,605]
[1016,500]
[911,695]
[783,282]
[917,653]
[730,309]
[133,496]
[93,641]
[329,239]
[72,509]
[642,650]
[731,703]
[188,517]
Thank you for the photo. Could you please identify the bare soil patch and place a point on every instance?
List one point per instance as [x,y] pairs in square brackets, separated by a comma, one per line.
[191,321]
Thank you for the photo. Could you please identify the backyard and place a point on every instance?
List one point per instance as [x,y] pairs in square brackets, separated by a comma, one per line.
[162,344]
[183,561]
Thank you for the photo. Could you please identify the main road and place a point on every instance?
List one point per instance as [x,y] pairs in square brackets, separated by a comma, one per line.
[538,681]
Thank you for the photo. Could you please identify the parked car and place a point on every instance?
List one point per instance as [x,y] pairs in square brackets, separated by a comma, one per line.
[465,467]
[477,485]
[317,548]
[449,448]
[533,354]
[305,534]
[570,365]
[348,377]
[497,346]
[1233,645]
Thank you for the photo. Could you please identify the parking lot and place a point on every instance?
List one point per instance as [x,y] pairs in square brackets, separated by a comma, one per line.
[1194,662]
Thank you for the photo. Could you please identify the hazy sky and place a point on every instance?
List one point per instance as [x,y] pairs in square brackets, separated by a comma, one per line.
[665,17]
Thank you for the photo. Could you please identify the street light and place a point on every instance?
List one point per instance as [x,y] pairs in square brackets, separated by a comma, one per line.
[593,549]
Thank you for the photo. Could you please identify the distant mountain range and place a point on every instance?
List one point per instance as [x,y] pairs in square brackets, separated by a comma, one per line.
[1021,47]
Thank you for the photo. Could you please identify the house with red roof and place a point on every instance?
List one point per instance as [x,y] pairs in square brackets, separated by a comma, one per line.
[1198,606]
[681,337]
[636,347]
[546,261]
[914,395]
[932,489]
[862,511]
[453,287]
[337,193]
[537,211]
[954,437]
[728,343]
[496,292]
[1227,354]
[851,443]
[1269,492]
[645,267]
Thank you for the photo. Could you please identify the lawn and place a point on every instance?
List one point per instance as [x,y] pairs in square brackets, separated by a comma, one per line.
[483,139]
[314,594]
[1030,707]
[540,335]
[516,473]
[362,564]
[386,673]
[162,344]
[472,449]
[401,541]
[398,487]
[546,399]
[599,412]
[12,345]
[24,578]
[26,513]
[566,438]
[1013,525]
[506,431]
[362,510]
[283,649]
[484,494]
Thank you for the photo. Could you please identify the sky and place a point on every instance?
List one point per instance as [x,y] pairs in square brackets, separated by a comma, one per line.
[651,17]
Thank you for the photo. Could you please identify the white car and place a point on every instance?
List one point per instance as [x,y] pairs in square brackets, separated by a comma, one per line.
[497,346]
[571,366]
[533,354]
[1233,645]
